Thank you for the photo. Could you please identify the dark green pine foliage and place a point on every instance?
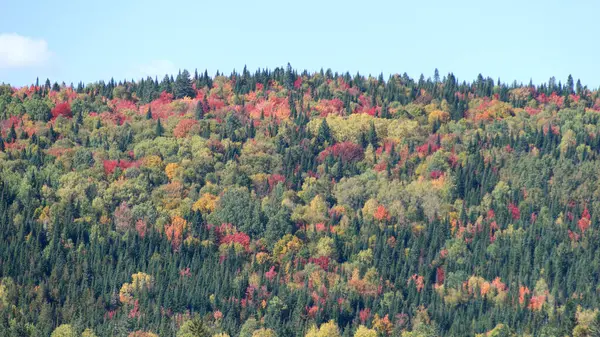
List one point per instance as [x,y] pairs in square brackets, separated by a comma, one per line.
[324,134]
[159,129]
[183,86]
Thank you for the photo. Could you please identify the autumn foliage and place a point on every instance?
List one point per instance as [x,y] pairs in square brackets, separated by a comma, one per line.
[346,151]
[62,109]
[111,165]
[174,230]
[184,127]
[285,203]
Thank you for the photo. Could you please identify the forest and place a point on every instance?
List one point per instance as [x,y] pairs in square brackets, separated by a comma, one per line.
[313,204]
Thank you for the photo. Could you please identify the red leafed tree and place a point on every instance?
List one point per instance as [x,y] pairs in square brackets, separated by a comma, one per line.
[239,237]
[274,179]
[62,109]
[165,97]
[348,151]
[584,222]
[111,165]
[327,107]
[427,149]
[319,227]
[270,275]
[381,213]
[183,127]
[123,217]
[364,315]
[514,211]
[135,311]
[440,275]
[141,227]
[322,261]
[436,174]
[574,237]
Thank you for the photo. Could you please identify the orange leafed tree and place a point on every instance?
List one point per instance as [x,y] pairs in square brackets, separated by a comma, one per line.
[174,230]
[584,223]
[523,291]
[418,280]
[381,213]
[184,127]
[537,302]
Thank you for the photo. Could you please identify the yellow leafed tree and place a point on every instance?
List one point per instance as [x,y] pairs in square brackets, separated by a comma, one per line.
[171,170]
[206,203]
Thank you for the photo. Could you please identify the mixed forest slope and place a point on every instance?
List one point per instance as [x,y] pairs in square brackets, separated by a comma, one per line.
[280,203]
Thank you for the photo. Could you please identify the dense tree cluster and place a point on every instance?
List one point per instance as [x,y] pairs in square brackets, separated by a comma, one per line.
[282,203]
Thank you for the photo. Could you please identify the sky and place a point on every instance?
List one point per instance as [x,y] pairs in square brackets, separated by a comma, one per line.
[78,40]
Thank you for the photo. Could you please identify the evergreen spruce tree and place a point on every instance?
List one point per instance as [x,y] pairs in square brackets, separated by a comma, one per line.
[183,86]
[12,134]
[372,136]
[324,133]
[159,130]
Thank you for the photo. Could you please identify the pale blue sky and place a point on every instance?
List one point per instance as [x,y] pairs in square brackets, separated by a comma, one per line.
[92,40]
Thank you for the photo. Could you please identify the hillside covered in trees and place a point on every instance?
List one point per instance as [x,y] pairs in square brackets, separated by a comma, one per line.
[280,203]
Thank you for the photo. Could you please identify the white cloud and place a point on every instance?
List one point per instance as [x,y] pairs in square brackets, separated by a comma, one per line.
[17,51]
[158,68]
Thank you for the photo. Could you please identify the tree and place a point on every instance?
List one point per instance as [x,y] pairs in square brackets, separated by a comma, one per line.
[88,333]
[140,333]
[12,133]
[193,328]
[372,136]
[183,86]
[237,207]
[324,133]
[421,330]
[206,204]
[264,333]
[570,85]
[184,127]
[329,329]
[37,109]
[83,159]
[64,330]
[123,218]
[249,326]
[199,112]
[159,130]
[62,109]
[363,331]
